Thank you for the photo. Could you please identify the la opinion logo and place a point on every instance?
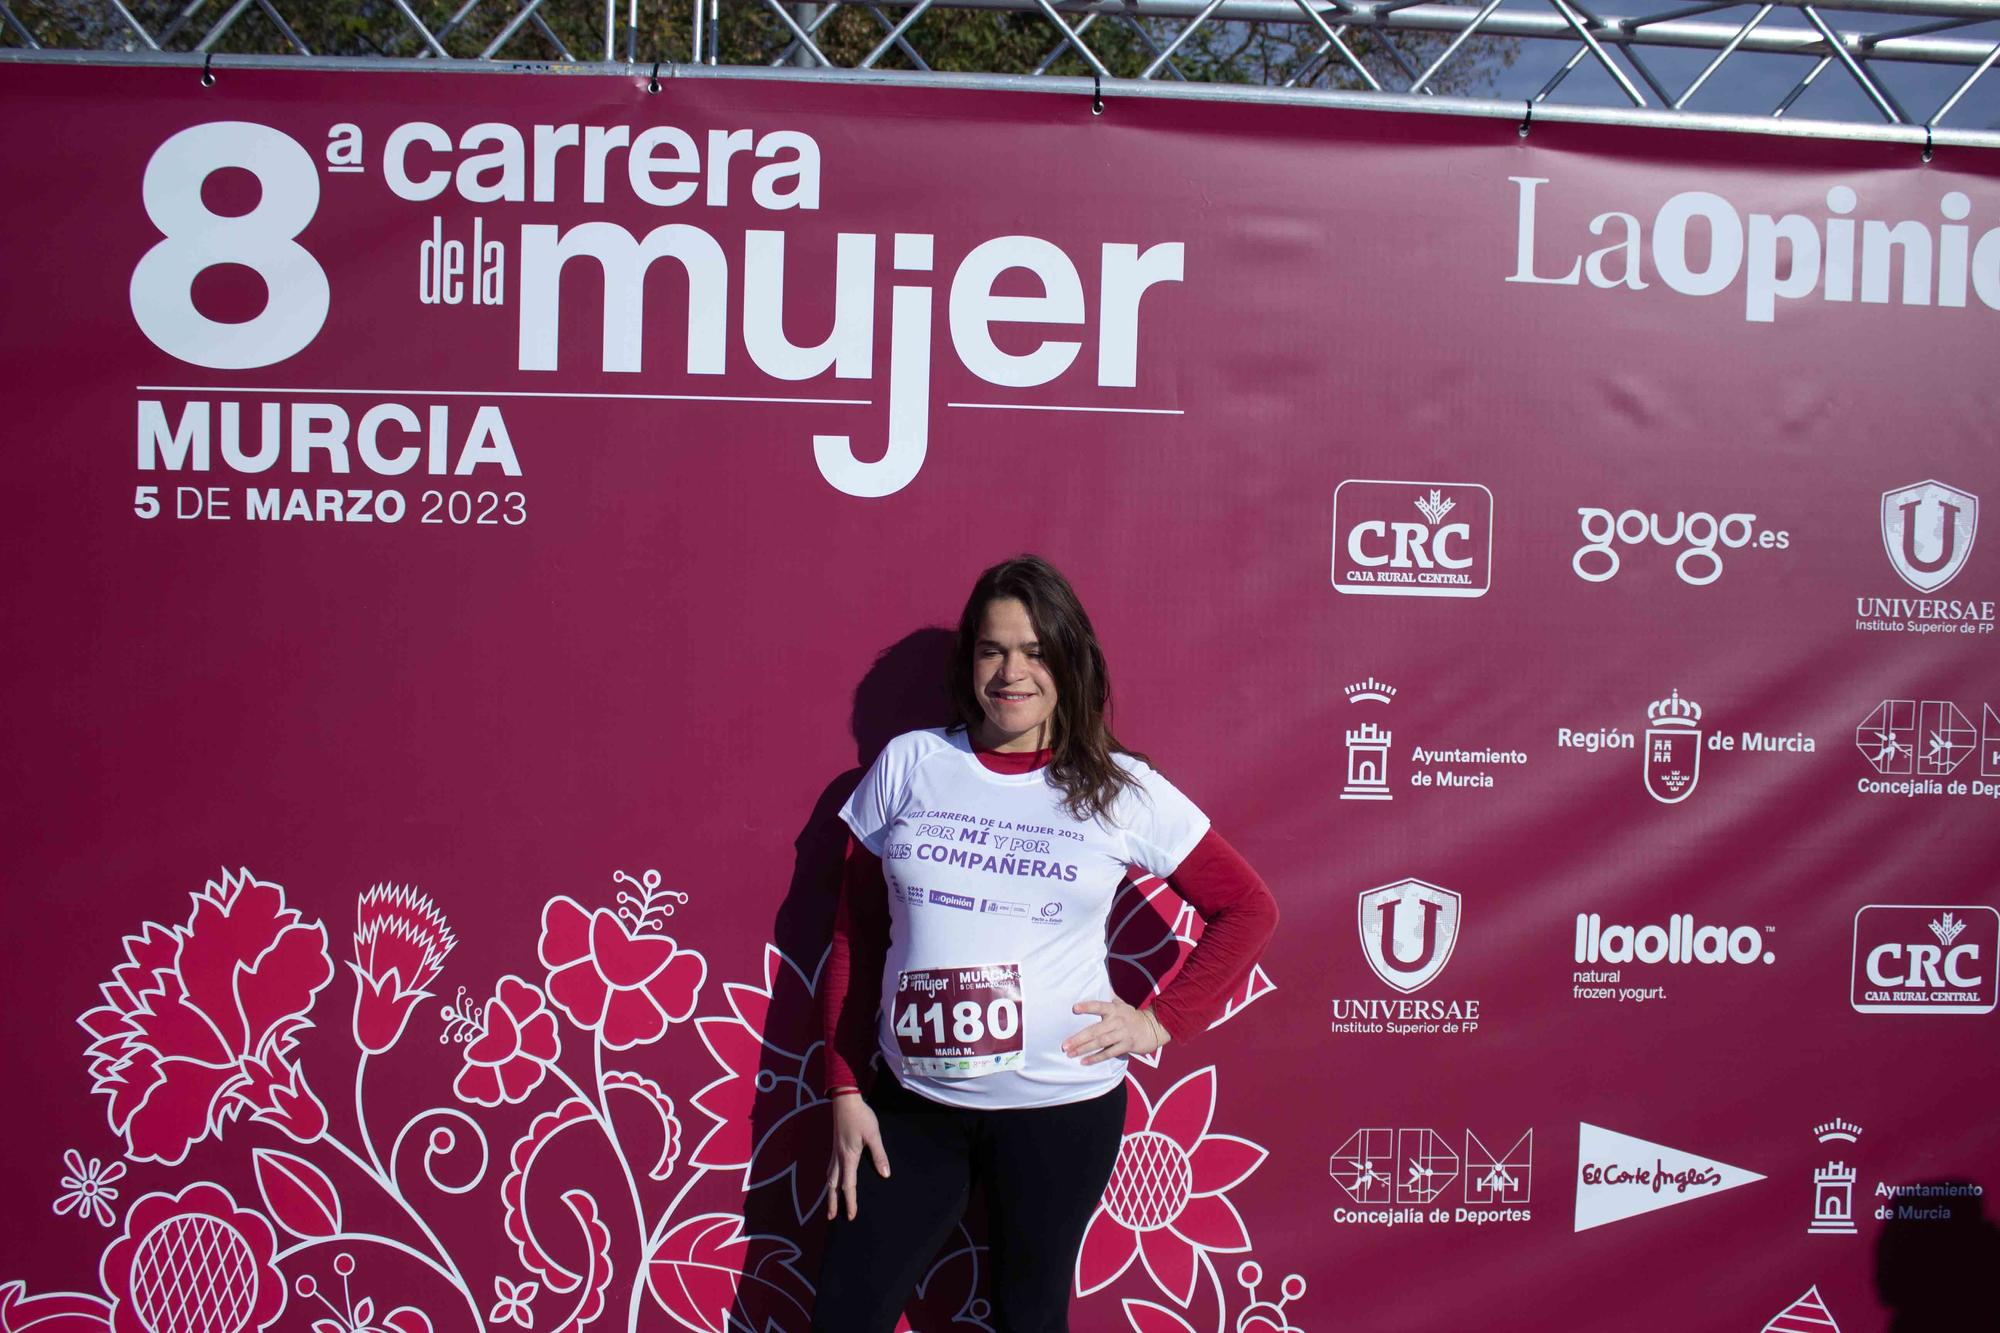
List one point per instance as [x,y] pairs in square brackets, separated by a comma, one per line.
[1408,930]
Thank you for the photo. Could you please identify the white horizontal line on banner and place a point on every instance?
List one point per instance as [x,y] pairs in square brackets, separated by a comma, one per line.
[1057,407]
[283,391]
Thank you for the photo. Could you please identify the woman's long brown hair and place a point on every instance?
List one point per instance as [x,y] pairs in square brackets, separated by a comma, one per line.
[1083,746]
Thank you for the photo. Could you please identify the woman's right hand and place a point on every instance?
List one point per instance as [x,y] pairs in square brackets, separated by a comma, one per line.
[854,1129]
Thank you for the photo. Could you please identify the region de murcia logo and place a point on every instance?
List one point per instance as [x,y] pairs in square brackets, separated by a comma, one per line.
[1929,959]
[1368,747]
[1807,1314]
[1673,748]
[1833,1184]
[1927,530]
[1408,930]
[1412,538]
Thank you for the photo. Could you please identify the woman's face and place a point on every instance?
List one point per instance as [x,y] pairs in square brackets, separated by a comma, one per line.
[1014,687]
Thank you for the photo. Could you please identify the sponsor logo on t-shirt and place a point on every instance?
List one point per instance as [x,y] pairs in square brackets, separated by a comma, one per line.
[1001,907]
[958,900]
[1050,914]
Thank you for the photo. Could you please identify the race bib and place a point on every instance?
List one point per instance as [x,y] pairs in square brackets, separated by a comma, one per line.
[959,1022]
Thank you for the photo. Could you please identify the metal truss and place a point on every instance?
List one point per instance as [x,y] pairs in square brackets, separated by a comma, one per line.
[1701,61]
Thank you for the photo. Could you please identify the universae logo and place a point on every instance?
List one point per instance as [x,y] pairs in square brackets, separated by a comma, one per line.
[1927,530]
[1408,930]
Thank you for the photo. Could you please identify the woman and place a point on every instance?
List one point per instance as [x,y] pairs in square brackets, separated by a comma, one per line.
[968,965]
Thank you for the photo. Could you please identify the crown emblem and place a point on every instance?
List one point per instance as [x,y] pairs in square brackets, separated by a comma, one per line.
[1673,711]
[1370,691]
[1836,1128]
[1436,507]
[1947,928]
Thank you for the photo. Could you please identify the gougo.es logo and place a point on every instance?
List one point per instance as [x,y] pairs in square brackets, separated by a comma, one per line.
[1701,537]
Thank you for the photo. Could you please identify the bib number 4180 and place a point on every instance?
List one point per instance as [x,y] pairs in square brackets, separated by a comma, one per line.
[959,1022]
[969,1023]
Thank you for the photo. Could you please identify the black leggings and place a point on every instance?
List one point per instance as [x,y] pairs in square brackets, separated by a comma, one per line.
[1043,1168]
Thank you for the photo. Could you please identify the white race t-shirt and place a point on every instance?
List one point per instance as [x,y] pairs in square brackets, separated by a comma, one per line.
[997,905]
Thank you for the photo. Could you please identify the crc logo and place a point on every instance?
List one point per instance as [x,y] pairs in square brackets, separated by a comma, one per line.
[1699,534]
[1927,530]
[1412,538]
[1925,959]
[1408,930]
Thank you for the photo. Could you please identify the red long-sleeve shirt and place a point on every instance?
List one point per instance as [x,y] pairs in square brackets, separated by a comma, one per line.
[1238,911]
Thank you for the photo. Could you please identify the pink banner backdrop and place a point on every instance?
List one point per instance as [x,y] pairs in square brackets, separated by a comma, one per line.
[467,533]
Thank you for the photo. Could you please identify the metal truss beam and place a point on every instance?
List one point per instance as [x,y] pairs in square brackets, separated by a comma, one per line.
[1404,52]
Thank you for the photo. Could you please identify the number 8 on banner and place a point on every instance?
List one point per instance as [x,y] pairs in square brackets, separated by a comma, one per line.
[262,240]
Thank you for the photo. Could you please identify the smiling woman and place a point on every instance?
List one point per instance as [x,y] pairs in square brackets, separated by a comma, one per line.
[972,1030]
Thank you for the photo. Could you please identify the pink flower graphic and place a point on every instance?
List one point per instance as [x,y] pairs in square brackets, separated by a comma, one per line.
[193,1261]
[1166,1200]
[57,1312]
[89,1188]
[508,1055]
[400,944]
[765,1103]
[201,1019]
[615,975]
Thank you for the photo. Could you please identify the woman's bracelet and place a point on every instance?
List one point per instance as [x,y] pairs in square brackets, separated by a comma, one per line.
[1159,1028]
[831,1093]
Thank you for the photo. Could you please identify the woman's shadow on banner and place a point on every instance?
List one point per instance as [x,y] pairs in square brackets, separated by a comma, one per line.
[903,690]
[1936,1260]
